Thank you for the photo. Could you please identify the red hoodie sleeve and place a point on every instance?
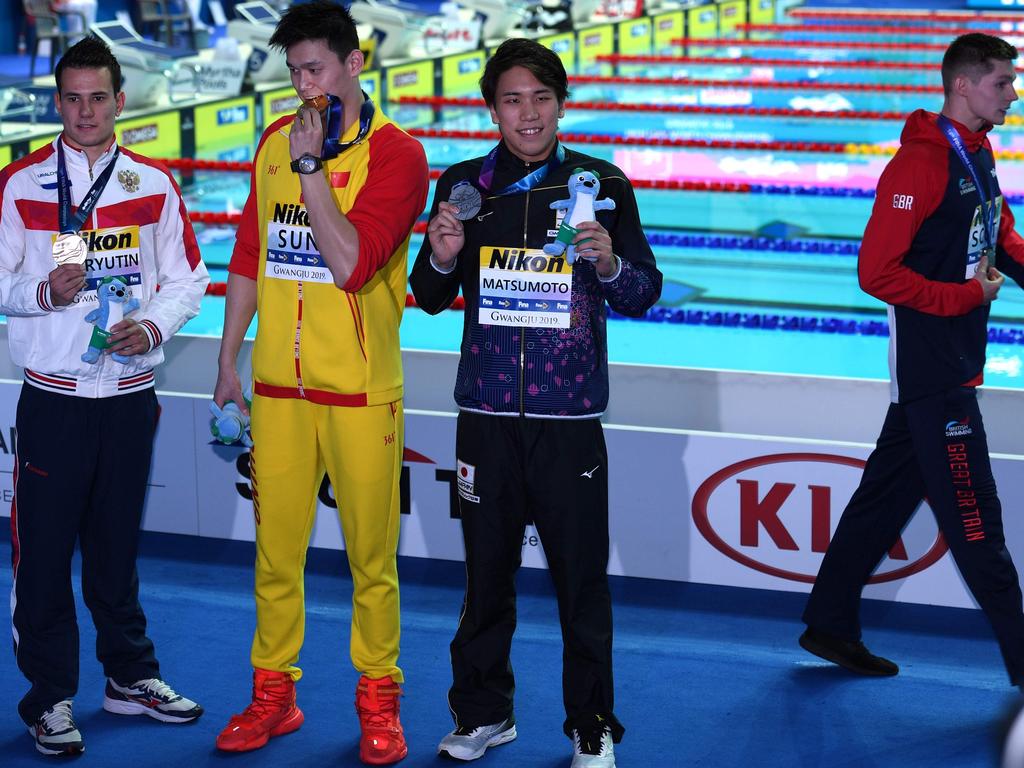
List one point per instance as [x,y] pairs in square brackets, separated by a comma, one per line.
[389,204]
[909,191]
[245,258]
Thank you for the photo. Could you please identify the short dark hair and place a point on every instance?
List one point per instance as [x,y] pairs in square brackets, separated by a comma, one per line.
[529,54]
[973,55]
[89,53]
[317,20]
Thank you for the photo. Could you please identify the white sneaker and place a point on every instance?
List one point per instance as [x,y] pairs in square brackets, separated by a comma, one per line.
[471,743]
[55,731]
[592,748]
[151,697]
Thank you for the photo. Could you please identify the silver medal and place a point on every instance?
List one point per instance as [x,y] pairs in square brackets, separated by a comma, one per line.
[466,198]
[69,248]
[990,254]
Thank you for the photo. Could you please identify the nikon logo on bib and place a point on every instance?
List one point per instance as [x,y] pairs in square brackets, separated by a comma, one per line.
[292,253]
[525,287]
[113,252]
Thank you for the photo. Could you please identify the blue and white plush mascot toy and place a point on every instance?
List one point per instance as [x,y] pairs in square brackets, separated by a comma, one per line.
[581,206]
[112,294]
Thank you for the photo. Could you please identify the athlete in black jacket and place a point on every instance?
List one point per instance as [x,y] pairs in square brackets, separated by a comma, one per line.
[532,382]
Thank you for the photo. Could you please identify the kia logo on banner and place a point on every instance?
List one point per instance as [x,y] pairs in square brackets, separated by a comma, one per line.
[776,514]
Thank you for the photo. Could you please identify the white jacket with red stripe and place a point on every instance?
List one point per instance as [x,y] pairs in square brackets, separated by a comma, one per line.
[139,231]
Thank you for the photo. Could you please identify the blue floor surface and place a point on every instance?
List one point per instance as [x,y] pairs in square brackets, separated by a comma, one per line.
[706,676]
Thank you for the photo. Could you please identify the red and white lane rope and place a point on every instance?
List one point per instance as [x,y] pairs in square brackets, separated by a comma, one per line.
[751,61]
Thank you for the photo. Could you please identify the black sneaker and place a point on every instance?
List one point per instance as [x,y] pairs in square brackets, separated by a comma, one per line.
[850,655]
[593,748]
[55,731]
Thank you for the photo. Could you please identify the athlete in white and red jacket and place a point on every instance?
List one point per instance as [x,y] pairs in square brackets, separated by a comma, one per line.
[139,231]
[86,429]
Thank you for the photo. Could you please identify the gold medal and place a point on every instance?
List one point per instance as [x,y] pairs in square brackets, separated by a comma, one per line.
[69,248]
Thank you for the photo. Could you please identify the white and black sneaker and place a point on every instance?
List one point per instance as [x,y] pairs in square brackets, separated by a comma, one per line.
[55,731]
[471,743]
[592,748]
[151,697]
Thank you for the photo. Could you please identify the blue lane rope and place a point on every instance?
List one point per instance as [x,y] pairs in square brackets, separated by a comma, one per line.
[749,243]
[843,326]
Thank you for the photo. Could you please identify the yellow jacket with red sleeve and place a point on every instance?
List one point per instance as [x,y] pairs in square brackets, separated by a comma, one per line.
[315,341]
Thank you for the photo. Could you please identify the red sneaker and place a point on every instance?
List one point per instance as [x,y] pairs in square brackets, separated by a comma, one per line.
[271,713]
[382,741]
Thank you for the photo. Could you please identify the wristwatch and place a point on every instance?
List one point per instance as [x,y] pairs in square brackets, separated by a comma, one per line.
[307,164]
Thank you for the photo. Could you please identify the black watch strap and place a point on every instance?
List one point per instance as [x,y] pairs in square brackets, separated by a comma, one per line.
[307,164]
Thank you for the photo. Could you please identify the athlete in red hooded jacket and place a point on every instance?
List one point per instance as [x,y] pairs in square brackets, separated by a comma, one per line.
[939,224]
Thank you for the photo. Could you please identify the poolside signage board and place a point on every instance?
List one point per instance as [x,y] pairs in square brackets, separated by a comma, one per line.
[772,505]
[276,104]
[713,508]
[564,45]
[776,514]
[460,73]
[635,36]
[156,135]
[594,42]
[411,80]
[226,122]
[370,83]
[731,14]
[762,11]
[667,27]
[8,443]
[702,22]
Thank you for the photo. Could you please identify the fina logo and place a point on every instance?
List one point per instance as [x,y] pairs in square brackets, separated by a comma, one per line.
[767,515]
[960,428]
[561,46]
[966,187]
[233,115]
[467,66]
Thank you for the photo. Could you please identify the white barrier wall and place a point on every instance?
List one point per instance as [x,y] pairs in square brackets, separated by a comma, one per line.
[714,508]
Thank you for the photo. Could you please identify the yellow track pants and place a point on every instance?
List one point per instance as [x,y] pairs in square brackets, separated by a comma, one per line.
[360,448]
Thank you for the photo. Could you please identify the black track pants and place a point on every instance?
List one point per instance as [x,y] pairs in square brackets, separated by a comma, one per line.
[80,476]
[555,473]
[934,447]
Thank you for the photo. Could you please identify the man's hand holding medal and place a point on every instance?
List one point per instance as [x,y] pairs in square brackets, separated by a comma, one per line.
[69,252]
[307,133]
[445,230]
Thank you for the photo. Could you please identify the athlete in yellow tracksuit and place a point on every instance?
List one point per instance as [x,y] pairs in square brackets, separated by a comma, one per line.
[327,383]
[327,386]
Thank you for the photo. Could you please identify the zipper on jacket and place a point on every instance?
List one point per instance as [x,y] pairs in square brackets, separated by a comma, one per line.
[522,329]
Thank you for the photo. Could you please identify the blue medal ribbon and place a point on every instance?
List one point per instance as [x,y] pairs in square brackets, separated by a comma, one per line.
[67,223]
[988,207]
[333,145]
[525,184]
